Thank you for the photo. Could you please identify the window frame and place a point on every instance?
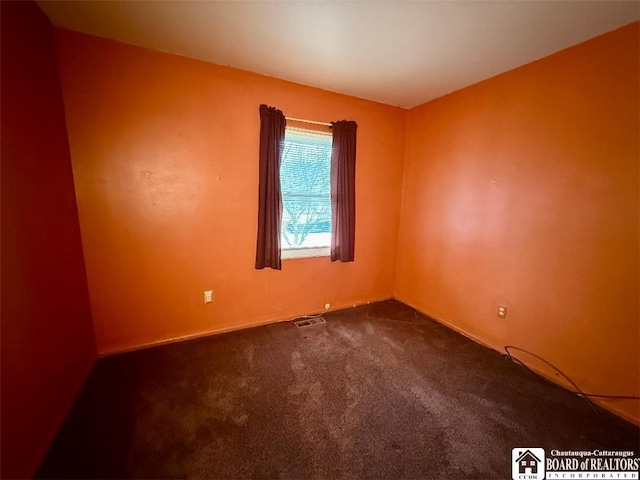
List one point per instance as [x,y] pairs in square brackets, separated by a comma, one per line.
[292,253]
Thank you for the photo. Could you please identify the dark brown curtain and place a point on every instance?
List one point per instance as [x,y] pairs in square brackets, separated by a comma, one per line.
[272,126]
[343,191]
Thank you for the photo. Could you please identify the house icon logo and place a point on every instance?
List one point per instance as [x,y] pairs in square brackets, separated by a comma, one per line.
[527,464]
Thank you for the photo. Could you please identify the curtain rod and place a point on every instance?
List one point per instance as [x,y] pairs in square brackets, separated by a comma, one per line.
[308,121]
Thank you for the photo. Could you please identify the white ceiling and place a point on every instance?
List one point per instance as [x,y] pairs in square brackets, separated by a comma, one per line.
[397,52]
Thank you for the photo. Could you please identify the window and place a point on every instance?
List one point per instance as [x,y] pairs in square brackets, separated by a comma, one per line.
[305,179]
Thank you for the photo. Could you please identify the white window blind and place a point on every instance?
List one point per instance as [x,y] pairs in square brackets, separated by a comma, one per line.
[306,193]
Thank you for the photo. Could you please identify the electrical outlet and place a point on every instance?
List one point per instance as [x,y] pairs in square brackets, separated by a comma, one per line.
[208,296]
[327,306]
[502,311]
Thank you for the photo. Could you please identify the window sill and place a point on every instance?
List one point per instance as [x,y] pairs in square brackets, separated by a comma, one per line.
[293,253]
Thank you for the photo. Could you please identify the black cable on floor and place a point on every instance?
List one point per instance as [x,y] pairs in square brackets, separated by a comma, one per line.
[577,390]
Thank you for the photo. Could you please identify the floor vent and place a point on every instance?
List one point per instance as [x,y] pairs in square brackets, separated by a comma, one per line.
[309,321]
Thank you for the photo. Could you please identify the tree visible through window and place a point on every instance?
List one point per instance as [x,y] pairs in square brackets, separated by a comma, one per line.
[306,189]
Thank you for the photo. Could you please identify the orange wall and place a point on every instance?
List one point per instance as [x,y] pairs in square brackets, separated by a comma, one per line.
[165,157]
[522,190]
[48,346]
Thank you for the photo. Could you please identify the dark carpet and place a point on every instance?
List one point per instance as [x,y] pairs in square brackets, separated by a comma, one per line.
[379,391]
